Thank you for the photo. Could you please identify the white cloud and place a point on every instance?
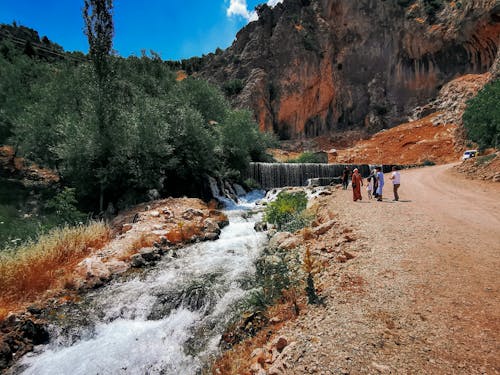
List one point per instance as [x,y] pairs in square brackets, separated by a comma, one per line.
[240,8]
[272,3]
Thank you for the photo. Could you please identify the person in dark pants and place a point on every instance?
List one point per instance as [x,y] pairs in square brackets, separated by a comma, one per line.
[345,178]
[373,177]
[396,182]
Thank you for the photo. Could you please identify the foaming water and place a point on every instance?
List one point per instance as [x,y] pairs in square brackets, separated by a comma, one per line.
[167,320]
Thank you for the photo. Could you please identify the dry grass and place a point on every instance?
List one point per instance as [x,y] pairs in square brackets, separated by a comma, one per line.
[28,272]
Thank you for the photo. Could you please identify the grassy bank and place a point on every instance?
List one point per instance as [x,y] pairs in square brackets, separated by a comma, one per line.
[28,271]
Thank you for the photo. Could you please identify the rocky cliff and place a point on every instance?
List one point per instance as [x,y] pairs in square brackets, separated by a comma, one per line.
[312,67]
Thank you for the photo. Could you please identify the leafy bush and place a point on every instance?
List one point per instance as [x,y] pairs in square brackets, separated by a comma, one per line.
[482,116]
[307,157]
[428,163]
[233,87]
[286,212]
[251,184]
[273,276]
[64,206]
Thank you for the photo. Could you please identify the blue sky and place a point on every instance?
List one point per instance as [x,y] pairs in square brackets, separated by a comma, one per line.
[175,29]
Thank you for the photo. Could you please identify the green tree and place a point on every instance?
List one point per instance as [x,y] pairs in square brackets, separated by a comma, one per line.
[241,141]
[203,96]
[482,116]
[99,29]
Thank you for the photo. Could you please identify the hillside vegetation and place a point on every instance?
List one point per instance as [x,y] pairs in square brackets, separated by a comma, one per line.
[160,133]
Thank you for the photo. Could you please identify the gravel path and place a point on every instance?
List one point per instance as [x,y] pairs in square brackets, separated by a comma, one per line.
[421,295]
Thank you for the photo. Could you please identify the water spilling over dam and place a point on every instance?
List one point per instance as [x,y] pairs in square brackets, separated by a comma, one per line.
[276,175]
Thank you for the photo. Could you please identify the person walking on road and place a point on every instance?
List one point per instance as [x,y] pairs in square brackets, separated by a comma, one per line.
[373,179]
[345,178]
[357,182]
[396,182]
[380,180]
[369,187]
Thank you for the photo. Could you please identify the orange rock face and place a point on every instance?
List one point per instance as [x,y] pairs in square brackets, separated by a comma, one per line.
[324,67]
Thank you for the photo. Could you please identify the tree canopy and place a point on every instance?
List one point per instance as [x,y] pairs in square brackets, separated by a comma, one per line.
[160,133]
[482,116]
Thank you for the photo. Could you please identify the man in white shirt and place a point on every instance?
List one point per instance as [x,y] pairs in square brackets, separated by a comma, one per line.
[396,181]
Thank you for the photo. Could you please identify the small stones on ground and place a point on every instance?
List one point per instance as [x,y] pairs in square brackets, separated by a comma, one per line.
[154,214]
[126,227]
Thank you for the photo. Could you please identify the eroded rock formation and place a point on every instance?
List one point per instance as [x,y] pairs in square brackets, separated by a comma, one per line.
[309,67]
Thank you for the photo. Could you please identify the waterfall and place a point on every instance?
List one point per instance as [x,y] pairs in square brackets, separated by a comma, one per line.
[167,320]
[276,175]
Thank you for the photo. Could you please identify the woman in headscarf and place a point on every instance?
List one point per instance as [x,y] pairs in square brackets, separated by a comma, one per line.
[357,182]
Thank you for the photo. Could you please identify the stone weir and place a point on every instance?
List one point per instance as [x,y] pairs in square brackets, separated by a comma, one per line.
[276,175]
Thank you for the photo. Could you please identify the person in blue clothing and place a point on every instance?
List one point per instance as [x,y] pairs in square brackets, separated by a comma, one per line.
[380,179]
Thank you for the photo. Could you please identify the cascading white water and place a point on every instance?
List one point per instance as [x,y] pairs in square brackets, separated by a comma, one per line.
[168,320]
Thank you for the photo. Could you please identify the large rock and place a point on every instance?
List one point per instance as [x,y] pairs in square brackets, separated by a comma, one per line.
[284,240]
[311,67]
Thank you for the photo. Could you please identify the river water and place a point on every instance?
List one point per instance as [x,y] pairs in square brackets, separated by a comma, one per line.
[169,319]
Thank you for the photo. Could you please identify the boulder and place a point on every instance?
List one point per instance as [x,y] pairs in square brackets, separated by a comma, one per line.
[126,227]
[190,213]
[261,226]
[5,355]
[154,213]
[35,332]
[153,195]
[280,344]
[167,213]
[116,266]
[149,254]
[284,240]
[211,236]
[93,267]
[137,261]
[209,225]
[323,228]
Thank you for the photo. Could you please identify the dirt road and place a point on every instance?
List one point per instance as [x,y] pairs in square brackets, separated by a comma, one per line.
[421,295]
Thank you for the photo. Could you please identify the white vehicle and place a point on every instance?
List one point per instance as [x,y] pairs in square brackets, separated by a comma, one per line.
[469,154]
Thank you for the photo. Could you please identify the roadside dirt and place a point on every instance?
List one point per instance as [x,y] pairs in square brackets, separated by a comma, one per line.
[421,294]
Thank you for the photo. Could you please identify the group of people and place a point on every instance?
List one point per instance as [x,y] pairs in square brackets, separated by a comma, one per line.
[374,183]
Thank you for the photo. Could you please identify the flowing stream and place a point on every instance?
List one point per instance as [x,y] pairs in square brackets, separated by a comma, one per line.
[168,320]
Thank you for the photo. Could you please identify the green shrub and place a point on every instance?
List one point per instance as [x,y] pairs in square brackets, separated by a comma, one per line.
[307,157]
[482,116]
[64,206]
[428,163]
[251,184]
[233,87]
[286,212]
[273,276]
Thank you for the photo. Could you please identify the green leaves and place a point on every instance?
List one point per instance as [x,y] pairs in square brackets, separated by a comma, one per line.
[482,116]
[287,211]
[143,131]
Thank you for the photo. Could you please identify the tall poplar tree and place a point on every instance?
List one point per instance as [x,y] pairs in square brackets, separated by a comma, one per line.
[99,30]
